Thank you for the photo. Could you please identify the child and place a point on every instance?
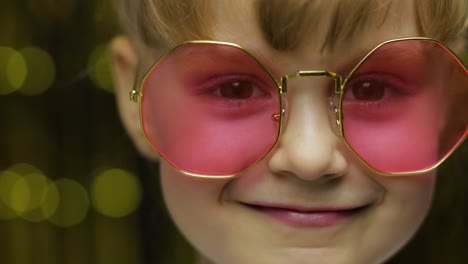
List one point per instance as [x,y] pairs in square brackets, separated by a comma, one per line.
[302,131]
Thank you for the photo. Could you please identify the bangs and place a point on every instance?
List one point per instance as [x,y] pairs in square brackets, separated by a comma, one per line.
[297,19]
[285,23]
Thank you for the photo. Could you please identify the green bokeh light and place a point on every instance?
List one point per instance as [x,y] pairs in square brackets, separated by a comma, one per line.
[32,195]
[12,70]
[116,193]
[16,70]
[99,67]
[50,200]
[39,189]
[8,180]
[20,196]
[41,71]
[73,204]
[24,168]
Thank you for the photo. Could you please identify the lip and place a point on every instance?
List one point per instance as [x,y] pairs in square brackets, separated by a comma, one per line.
[306,217]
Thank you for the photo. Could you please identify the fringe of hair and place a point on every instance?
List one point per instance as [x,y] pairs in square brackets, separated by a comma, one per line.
[284,22]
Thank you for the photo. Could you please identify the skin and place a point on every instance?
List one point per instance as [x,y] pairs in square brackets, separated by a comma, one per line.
[310,166]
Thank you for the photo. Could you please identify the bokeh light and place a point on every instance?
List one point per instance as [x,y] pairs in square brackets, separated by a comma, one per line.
[12,70]
[24,168]
[8,180]
[116,193]
[30,71]
[50,200]
[18,192]
[73,203]
[99,67]
[55,75]
[16,70]
[27,192]
[20,196]
[41,71]
[43,202]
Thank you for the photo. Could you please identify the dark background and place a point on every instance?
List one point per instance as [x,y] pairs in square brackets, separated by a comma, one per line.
[73,190]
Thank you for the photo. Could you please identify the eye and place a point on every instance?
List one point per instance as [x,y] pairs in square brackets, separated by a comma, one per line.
[368,90]
[239,88]
[377,95]
[236,90]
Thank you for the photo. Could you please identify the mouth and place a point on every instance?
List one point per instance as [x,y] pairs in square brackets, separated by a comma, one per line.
[296,216]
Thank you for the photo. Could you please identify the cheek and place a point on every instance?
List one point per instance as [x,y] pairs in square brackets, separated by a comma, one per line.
[406,203]
[410,195]
[194,206]
[408,141]
[184,194]
[394,147]
[405,206]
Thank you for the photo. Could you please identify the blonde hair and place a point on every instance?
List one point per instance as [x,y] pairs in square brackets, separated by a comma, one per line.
[172,21]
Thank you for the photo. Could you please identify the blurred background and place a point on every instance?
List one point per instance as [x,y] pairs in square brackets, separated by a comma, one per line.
[72,188]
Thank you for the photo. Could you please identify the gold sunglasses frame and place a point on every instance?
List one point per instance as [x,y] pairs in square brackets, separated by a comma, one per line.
[136,95]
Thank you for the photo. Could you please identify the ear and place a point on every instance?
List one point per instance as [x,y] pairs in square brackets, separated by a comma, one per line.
[125,61]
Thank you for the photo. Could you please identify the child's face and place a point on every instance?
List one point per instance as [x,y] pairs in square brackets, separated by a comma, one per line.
[234,221]
[310,200]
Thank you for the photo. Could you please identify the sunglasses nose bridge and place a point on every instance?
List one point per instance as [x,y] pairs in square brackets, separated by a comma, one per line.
[338,79]
[334,100]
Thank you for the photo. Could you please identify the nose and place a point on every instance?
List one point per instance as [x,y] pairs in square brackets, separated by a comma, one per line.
[308,148]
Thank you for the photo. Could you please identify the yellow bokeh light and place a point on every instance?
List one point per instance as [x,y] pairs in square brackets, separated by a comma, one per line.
[99,67]
[116,193]
[38,185]
[50,200]
[73,203]
[41,71]
[20,196]
[33,196]
[16,70]
[24,168]
[11,69]
[8,180]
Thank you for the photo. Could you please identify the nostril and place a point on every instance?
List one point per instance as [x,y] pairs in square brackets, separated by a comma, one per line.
[330,178]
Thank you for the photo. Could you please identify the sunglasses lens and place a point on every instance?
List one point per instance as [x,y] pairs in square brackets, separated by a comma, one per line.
[405,107]
[209,109]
